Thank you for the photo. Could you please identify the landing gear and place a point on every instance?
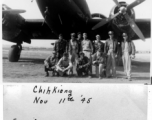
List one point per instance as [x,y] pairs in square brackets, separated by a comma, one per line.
[14,53]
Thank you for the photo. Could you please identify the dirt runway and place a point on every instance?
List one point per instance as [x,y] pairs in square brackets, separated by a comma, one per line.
[30,69]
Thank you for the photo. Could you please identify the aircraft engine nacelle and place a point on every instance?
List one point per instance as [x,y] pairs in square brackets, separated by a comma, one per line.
[12,28]
[120,19]
[120,24]
[98,15]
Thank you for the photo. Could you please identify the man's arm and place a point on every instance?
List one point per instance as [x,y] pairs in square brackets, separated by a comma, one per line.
[91,46]
[133,48]
[69,67]
[46,61]
[105,47]
[87,63]
[55,47]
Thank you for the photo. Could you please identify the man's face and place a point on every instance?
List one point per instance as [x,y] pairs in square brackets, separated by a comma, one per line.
[53,55]
[79,36]
[98,37]
[85,36]
[99,53]
[125,36]
[65,57]
[81,56]
[111,35]
[72,37]
[60,37]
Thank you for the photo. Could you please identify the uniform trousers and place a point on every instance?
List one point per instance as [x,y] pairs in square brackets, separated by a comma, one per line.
[81,71]
[111,64]
[99,68]
[67,72]
[126,59]
[73,57]
[88,55]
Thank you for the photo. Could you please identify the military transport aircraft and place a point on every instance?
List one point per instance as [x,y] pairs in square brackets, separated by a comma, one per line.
[66,16]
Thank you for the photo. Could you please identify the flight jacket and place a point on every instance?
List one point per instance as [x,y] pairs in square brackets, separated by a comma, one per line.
[131,48]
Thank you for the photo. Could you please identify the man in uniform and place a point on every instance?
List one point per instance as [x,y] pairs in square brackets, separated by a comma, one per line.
[98,44]
[99,61]
[73,49]
[128,53]
[79,40]
[64,66]
[110,50]
[87,49]
[82,65]
[60,46]
[50,64]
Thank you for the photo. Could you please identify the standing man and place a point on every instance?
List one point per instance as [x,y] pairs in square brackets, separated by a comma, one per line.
[73,49]
[87,49]
[60,46]
[110,50]
[128,53]
[79,40]
[98,44]
[50,64]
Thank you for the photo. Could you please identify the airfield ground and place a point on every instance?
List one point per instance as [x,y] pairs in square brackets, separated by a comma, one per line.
[30,69]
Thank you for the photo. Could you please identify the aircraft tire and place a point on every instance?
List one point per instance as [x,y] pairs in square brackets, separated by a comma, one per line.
[14,53]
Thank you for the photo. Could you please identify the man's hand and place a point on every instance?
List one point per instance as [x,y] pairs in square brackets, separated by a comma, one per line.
[132,56]
[94,62]
[80,67]
[63,70]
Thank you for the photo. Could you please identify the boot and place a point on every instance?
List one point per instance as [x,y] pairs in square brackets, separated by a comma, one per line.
[47,74]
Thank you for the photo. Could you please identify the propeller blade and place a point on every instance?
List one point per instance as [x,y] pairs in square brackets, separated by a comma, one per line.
[117,3]
[134,27]
[103,22]
[135,3]
[115,15]
[14,11]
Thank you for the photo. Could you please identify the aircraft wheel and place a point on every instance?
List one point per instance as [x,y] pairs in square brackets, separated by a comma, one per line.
[14,53]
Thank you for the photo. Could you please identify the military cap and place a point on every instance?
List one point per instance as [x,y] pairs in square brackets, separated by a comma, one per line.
[65,54]
[124,34]
[73,34]
[97,35]
[61,35]
[85,34]
[110,32]
[79,33]
[81,53]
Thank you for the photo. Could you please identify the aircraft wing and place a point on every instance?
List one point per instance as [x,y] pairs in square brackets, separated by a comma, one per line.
[38,29]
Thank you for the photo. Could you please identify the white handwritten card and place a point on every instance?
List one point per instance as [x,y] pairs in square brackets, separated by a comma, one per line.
[75,102]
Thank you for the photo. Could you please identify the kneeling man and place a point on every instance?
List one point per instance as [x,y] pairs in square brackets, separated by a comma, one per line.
[50,64]
[82,65]
[99,62]
[64,66]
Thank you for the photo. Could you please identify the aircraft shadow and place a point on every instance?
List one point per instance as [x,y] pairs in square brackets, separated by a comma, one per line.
[29,60]
[141,67]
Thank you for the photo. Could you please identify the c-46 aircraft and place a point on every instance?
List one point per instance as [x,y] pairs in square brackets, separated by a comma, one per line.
[67,16]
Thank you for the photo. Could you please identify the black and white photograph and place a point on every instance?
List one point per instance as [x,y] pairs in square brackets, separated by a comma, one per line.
[76,41]
[76,60]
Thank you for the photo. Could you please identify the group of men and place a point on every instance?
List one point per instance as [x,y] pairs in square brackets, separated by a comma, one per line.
[84,53]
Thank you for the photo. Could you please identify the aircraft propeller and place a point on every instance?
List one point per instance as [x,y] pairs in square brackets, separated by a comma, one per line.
[14,11]
[123,11]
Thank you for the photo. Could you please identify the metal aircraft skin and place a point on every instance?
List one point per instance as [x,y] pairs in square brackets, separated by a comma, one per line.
[67,16]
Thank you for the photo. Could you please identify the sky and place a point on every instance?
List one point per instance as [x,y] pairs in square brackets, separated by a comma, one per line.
[96,6]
